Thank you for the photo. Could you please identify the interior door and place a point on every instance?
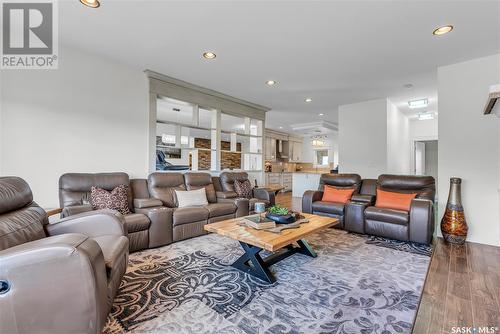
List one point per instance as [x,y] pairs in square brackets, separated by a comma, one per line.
[419,158]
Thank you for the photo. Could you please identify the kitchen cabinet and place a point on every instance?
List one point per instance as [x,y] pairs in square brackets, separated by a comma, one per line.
[295,151]
[270,149]
[284,179]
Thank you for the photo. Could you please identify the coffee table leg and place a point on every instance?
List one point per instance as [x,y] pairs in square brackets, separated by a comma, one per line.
[259,268]
[305,248]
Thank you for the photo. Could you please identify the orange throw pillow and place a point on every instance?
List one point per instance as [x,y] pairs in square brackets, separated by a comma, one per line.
[393,200]
[339,195]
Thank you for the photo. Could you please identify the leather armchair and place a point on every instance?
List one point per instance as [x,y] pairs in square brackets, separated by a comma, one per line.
[56,278]
[148,225]
[312,203]
[416,225]
[224,186]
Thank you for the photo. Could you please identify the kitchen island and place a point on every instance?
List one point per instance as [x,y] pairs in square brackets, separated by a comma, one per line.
[303,181]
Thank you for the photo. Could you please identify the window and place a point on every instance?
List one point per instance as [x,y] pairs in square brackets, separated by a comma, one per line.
[321,157]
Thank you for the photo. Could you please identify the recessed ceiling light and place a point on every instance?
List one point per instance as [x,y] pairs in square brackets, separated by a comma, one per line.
[281,127]
[425,116]
[271,82]
[442,30]
[422,103]
[91,3]
[321,114]
[408,85]
[209,55]
[308,99]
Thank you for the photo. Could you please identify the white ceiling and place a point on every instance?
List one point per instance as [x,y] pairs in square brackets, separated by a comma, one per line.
[336,52]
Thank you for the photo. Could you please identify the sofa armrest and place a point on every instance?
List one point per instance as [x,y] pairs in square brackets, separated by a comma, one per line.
[421,221]
[368,199]
[75,209]
[242,205]
[141,203]
[58,285]
[92,224]
[265,194]
[354,219]
[161,228]
[308,198]
[226,194]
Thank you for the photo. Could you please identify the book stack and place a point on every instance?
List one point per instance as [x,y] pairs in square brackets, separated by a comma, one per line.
[259,224]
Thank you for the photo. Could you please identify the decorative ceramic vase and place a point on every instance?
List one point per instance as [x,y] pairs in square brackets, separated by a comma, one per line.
[453,225]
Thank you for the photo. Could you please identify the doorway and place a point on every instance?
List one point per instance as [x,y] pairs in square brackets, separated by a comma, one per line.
[425,158]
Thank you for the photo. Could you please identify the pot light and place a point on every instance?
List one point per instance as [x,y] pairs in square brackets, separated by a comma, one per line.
[281,127]
[91,3]
[271,82]
[209,55]
[308,99]
[425,116]
[422,103]
[321,114]
[442,30]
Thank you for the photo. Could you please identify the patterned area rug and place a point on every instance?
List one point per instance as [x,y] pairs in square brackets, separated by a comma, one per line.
[353,286]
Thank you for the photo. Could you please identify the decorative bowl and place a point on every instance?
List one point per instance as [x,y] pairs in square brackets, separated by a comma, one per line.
[282,219]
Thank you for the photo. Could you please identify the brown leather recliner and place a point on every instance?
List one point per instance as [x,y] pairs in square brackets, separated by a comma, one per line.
[60,277]
[417,225]
[188,222]
[312,203]
[224,186]
[150,223]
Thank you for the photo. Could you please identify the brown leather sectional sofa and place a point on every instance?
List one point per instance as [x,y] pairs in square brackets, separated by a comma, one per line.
[61,277]
[156,220]
[360,215]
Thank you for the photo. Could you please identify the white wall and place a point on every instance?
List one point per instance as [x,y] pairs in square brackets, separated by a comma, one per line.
[469,144]
[363,138]
[90,115]
[398,141]
[424,130]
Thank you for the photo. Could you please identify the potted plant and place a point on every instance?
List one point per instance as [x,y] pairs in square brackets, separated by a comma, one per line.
[281,215]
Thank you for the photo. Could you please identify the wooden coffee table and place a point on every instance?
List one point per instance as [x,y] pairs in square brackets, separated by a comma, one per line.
[280,244]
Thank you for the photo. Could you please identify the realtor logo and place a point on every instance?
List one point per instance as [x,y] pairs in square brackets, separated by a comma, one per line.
[29,35]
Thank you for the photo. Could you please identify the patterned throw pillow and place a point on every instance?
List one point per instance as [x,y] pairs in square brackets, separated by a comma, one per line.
[243,188]
[117,199]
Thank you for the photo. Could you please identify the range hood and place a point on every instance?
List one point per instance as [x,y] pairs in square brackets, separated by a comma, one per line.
[282,149]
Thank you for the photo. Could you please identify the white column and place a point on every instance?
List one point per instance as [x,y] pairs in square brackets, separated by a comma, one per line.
[215,138]
[194,160]
[234,143]
[196,115]
[178,136]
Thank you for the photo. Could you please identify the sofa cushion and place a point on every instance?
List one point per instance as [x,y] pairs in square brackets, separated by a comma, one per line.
[190,215]
[191,197]
[220,209]
[252,202]
[135,222]
[116,199]
[328,207]
[394,200]
[337,195]
[243,188]
[114,249]
[387,215]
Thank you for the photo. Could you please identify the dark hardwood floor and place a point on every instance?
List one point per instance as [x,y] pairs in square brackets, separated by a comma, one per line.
[462,288]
